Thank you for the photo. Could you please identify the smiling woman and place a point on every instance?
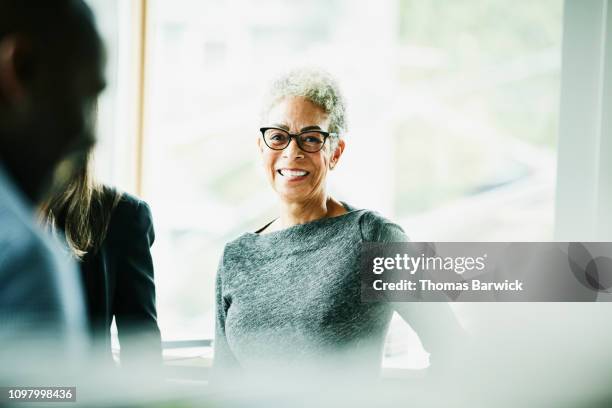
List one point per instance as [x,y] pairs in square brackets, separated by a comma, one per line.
[298,171]
[308,103]
[290,292]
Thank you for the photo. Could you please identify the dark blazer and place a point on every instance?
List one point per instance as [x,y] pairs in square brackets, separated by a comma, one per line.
[118,281]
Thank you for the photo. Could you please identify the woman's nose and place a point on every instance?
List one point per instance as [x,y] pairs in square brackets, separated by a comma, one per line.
[293,151]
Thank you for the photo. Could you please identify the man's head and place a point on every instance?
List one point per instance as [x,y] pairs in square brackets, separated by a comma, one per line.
[51,72]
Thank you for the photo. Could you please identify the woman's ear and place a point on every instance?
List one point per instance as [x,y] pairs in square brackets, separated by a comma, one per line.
[337,154]
[12,90]
[260,144]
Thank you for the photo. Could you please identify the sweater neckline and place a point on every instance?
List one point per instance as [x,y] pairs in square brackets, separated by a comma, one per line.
[350,210]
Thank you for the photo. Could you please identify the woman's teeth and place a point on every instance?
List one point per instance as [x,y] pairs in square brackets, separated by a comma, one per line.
[292,173]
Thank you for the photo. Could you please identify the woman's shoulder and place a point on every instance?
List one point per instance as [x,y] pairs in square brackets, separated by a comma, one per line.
[124,204]
[375,227]
[237,244]
[129,213]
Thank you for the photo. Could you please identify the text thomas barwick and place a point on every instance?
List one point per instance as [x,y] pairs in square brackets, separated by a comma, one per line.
[426,284]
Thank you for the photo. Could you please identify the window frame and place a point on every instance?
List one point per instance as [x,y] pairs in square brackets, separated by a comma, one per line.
[584,161]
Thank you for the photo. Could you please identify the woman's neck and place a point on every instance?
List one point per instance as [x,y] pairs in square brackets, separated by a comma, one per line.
[295,213]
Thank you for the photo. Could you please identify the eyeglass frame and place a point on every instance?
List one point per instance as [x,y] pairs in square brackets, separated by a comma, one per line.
[325,134]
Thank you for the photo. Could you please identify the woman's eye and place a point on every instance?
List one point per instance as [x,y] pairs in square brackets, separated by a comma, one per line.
[313,139]
[277,137]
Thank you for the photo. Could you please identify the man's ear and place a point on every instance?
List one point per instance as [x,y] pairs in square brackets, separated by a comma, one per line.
[337,154]
[12,90]
[260,144]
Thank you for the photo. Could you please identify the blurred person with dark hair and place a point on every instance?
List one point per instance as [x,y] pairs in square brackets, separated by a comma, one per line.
[51,72]
[110,233]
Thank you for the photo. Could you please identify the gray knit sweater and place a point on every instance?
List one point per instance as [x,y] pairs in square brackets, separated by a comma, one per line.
[293,296]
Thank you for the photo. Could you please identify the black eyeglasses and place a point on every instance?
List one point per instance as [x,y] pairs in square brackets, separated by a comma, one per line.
[310,141]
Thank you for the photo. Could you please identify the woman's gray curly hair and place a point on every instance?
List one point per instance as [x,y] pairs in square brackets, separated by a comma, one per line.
[317,86]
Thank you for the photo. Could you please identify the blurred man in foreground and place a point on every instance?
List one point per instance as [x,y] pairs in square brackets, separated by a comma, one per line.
[51,62]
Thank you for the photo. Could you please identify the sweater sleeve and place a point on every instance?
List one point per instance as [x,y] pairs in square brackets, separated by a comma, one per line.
[434,322]
[134,306]
[224,360]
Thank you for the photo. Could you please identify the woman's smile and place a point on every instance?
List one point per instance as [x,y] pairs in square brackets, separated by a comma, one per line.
[293,174]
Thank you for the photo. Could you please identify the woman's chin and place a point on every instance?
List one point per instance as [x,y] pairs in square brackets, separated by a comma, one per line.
[288,194]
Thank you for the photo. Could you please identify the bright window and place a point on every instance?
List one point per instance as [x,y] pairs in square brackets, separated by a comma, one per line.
[452,113]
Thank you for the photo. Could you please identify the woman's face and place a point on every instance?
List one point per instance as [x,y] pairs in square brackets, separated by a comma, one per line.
[298,176]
